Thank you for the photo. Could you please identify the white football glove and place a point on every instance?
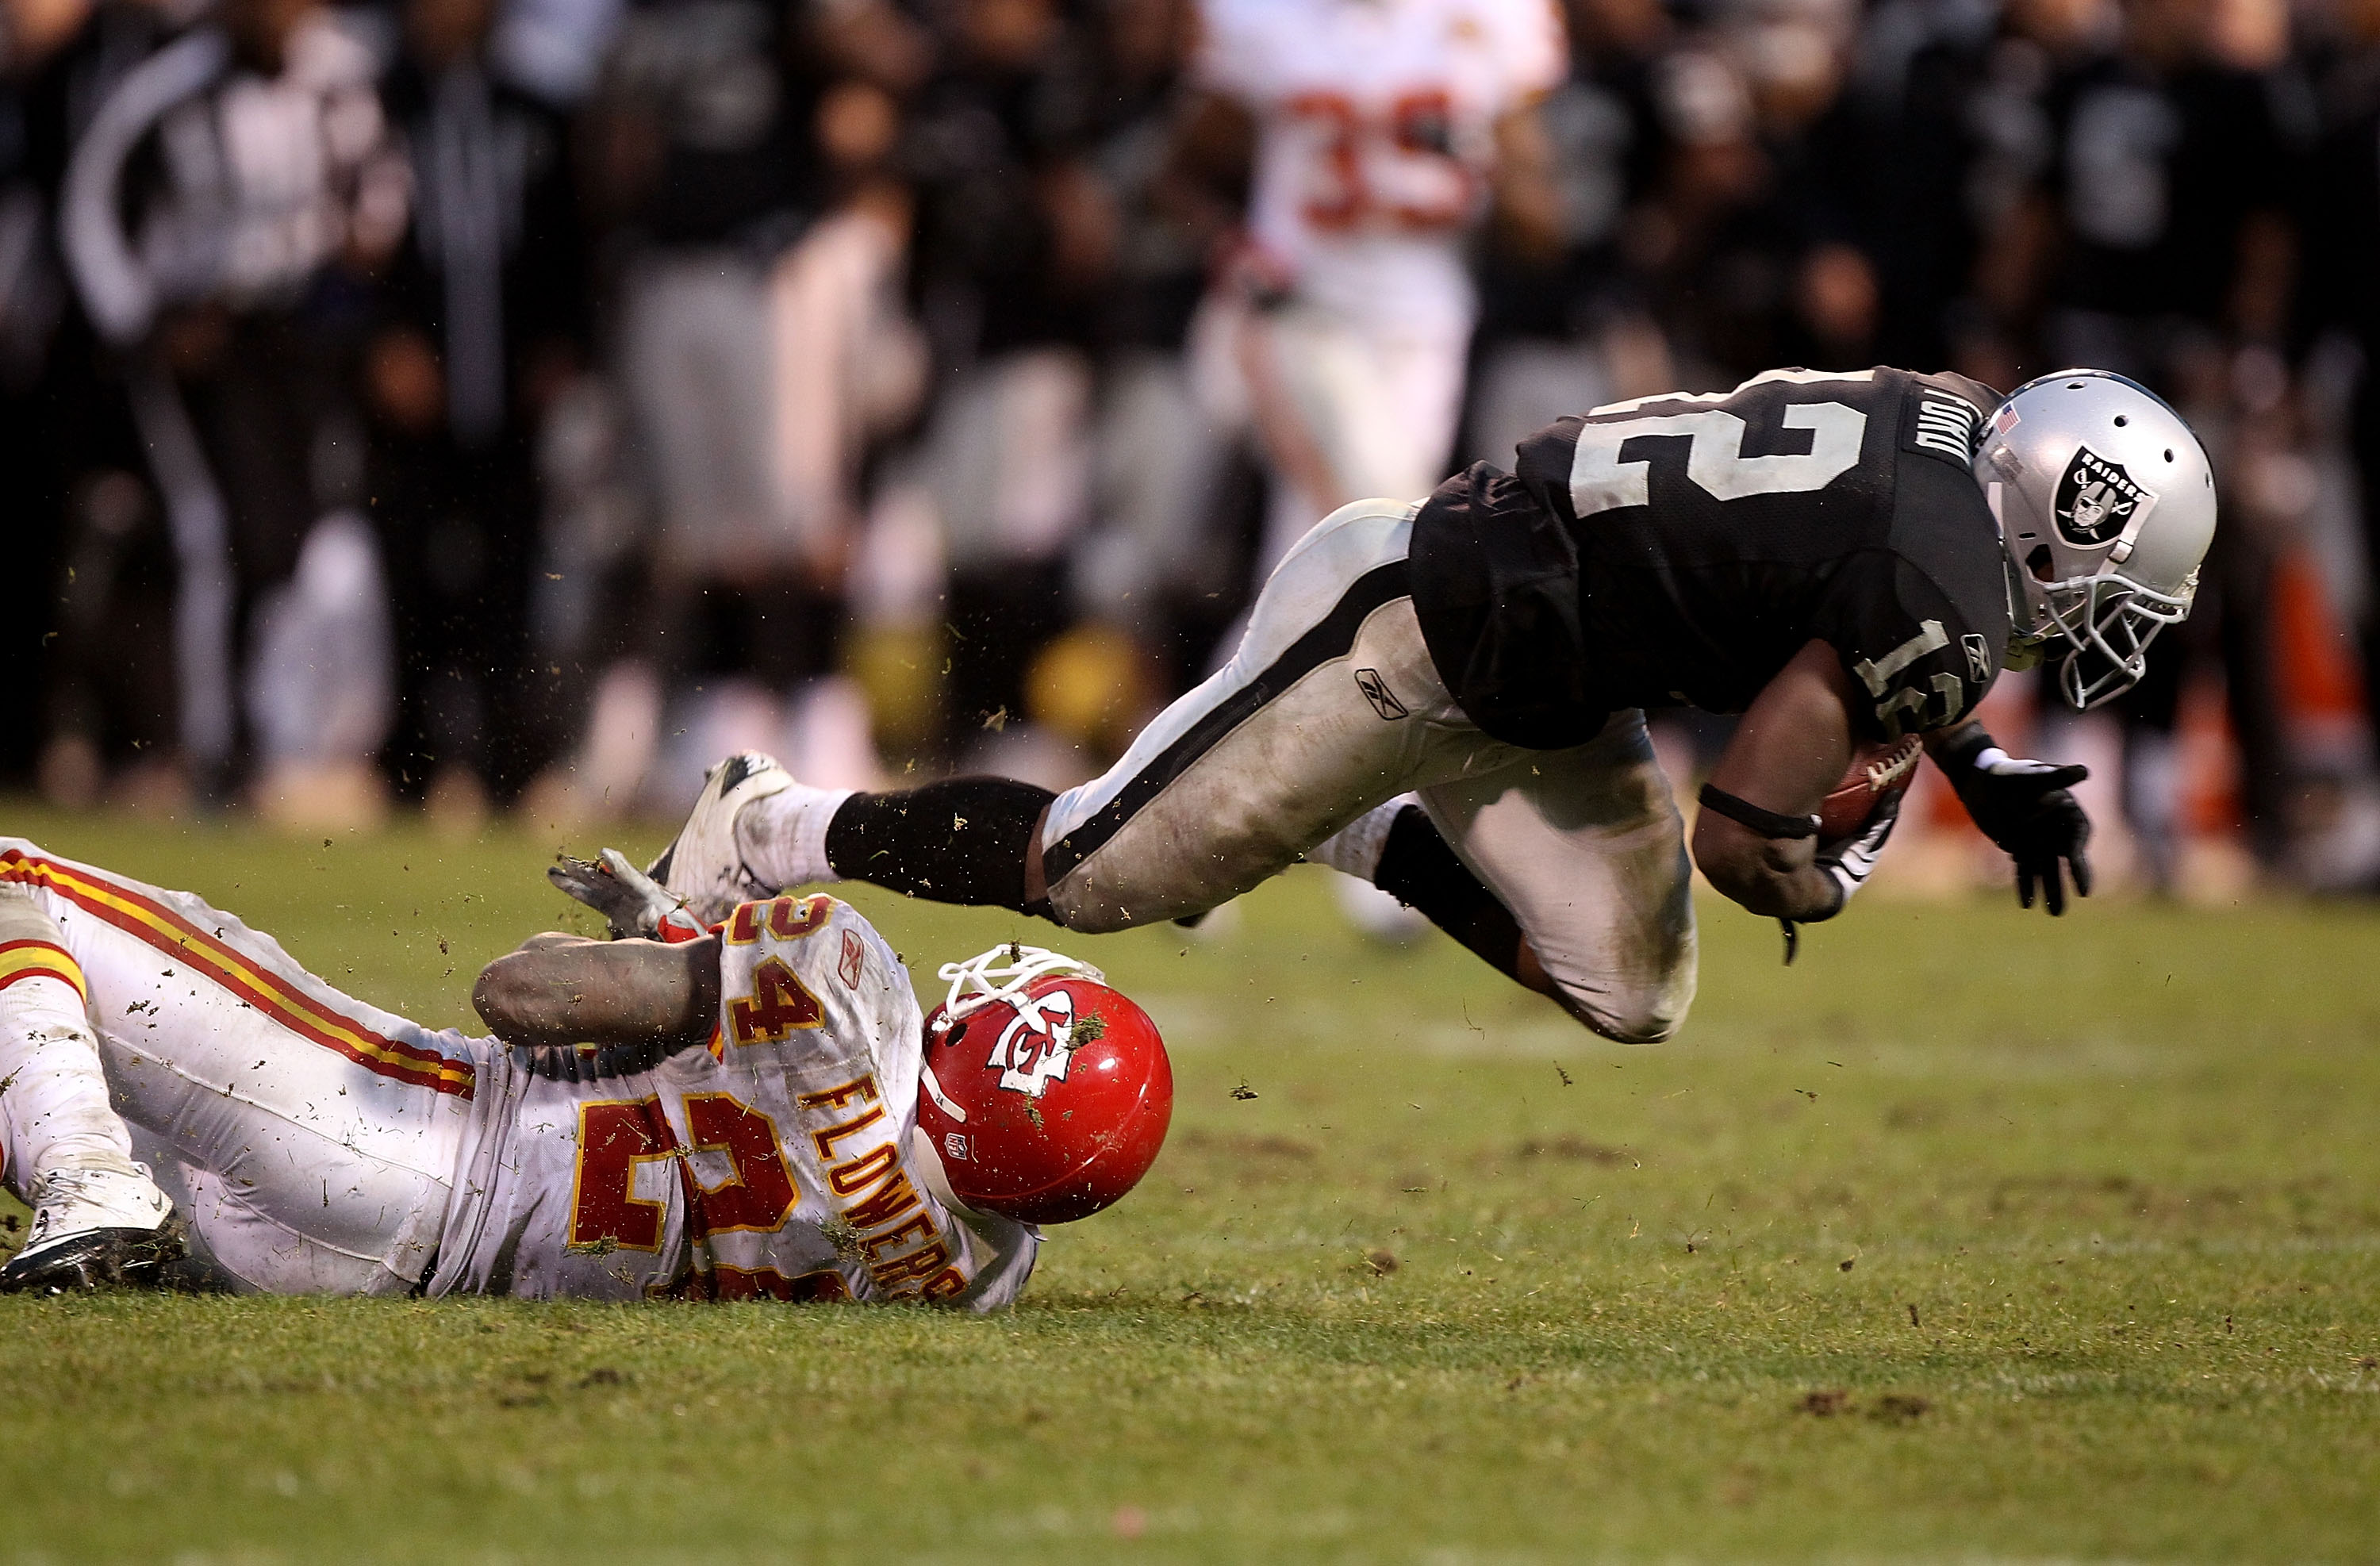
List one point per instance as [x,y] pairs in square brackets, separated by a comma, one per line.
[632,903]
[1851,861]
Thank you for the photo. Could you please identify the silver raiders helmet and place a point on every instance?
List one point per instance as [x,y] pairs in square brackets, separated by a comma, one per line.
[2105,505]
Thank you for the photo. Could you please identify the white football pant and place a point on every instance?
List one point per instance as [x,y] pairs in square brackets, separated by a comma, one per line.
[310,1139]
[54,1111]
[1380,405]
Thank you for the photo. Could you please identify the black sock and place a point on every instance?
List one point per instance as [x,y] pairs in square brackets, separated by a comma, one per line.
[960,840]
[1418,869]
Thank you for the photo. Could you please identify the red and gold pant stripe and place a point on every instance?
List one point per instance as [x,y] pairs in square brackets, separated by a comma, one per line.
[147,920]
[40,959]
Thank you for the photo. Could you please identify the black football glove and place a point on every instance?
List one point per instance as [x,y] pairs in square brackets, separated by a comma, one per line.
[2027,808]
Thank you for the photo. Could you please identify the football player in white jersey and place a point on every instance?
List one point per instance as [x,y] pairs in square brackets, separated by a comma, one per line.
[730,1116]
[1383,133]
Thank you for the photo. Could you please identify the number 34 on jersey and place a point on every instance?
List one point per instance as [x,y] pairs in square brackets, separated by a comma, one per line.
[780,1003]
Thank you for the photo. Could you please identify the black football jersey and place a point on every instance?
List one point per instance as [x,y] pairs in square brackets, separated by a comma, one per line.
[1680,550]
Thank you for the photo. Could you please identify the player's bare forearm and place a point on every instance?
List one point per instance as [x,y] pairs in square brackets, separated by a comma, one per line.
[563,991]
[1792,745]
[545,940]
[1771,878]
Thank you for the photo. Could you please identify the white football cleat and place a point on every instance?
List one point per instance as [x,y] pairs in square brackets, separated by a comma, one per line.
[703,865]
[95,1228]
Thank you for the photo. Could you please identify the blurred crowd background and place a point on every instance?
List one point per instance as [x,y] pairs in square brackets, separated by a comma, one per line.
[510,406]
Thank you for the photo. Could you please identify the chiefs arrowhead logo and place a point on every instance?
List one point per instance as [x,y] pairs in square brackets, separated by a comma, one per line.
[2097,501]
[1033,1049]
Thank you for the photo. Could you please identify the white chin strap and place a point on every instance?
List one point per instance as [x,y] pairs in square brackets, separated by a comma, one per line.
[1003,974]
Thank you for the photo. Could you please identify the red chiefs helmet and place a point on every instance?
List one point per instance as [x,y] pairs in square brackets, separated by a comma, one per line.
[1045,1093]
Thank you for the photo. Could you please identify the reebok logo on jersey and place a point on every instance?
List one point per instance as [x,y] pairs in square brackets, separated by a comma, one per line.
[1375,691]
[1979,657]
[1947,427]
[2096,500]
[853,954]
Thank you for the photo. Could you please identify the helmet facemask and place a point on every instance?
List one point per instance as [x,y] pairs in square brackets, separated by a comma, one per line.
[2106,624]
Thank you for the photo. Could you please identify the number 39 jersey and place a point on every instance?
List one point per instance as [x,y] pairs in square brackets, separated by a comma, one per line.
[1678,550]
[779,1162]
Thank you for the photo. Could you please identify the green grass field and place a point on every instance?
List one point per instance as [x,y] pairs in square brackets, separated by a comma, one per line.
[1971,1235]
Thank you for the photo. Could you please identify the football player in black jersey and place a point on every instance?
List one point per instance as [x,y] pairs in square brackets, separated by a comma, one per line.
[1447,697]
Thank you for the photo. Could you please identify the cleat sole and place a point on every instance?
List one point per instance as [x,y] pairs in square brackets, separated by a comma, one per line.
[102,1260]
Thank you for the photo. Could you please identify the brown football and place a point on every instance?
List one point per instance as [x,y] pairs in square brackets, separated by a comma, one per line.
[1877,770]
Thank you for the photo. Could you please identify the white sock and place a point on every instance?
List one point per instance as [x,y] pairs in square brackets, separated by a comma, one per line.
[53,1109]
[1357,847]
[783,836]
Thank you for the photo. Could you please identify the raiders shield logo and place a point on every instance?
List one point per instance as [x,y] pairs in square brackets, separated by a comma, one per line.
[2096,500]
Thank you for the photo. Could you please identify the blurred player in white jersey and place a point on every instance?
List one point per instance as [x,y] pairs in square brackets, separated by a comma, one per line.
[1383,132]
[731,1116]
[1378,134]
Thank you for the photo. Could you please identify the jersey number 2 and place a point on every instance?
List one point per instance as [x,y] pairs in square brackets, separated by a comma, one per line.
[1601,480]
[616,1135]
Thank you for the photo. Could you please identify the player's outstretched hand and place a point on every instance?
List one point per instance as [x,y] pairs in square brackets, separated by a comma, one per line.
[2028,808]
[631,902]
[2059,831]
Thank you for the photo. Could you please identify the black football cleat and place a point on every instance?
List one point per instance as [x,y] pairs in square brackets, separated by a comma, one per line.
[101,1261]
[96,1229]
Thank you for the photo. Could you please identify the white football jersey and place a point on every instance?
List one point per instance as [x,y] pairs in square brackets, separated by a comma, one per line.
[1375,137]
[779,1162]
